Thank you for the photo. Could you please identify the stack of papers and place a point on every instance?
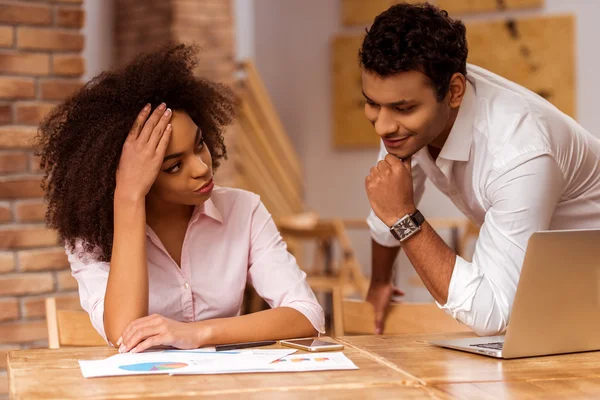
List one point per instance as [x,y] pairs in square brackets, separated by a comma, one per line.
[202,361]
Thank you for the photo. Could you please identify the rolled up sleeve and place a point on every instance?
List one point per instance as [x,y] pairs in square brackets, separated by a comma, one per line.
[523,200]
[275,274]
[92,278]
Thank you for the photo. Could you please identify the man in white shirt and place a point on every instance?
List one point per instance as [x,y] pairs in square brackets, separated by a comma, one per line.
[507,158]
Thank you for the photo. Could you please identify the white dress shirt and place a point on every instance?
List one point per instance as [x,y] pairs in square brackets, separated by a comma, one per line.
[513,164]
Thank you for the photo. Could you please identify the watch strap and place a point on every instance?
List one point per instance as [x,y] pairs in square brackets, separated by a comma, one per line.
[418,218]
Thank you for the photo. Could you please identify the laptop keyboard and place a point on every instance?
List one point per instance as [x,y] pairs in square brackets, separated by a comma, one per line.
[493,346]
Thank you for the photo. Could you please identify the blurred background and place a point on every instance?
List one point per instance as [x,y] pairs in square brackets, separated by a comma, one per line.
[301,140]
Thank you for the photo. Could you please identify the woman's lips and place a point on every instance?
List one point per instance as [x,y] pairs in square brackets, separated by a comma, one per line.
[207,187]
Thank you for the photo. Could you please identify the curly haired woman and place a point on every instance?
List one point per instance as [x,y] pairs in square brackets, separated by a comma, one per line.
[161,254]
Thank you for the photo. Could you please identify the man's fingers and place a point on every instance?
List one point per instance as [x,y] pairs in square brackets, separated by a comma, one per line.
[378,323]
[380,310]
[392,160]
[373,174]
[383,166]
[408,164]
[139,122]
[398,292]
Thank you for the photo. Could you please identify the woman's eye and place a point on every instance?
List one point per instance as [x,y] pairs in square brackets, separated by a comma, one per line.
[173,169]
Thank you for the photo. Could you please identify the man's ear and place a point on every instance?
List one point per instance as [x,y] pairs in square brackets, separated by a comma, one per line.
[457,89]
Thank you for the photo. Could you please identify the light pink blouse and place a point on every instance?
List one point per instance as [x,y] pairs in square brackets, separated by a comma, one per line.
[230,240]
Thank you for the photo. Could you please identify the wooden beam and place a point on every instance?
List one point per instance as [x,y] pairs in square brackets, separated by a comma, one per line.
[363,12]
[273,124]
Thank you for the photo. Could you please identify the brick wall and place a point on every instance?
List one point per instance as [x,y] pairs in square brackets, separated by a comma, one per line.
[142,25]
[40,64]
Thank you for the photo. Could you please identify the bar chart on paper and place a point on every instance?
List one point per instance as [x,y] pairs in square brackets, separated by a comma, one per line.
[312,362]
[307,360]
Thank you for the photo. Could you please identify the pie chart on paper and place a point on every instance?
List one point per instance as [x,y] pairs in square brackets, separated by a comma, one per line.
[153,366]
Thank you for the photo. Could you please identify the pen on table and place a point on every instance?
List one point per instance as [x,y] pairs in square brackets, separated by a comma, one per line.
[236,346]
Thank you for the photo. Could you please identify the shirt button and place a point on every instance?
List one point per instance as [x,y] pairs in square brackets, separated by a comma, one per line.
[185,285]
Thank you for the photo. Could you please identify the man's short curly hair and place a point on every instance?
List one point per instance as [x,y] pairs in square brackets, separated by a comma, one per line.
[80,141]
[418,37]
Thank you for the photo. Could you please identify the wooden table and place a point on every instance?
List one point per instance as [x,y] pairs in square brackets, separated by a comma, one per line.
[55,374]
[461,375]
[391,367]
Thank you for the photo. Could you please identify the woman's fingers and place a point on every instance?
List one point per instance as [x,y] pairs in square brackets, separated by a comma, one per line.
[139,122]
[152,341]
[140,159]
[152,122]
[138,336]
[134,327]
[159,129]
[161,148]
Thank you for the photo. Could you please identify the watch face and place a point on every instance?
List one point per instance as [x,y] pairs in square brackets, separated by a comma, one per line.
[406,227]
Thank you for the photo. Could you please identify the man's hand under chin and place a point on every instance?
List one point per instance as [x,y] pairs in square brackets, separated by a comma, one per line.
[389,188]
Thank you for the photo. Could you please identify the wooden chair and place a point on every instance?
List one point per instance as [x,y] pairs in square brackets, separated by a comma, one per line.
[328,273]
[266,161]
[70,327]
[402,318]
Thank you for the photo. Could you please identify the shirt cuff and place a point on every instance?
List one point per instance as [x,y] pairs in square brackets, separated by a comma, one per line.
[380,232]
[97,318]
[313,312]
[465,280]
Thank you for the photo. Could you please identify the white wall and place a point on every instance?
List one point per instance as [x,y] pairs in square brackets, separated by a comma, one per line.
[292,52]
[243,14]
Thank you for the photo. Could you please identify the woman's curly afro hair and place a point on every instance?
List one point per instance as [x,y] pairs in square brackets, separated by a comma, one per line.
[80,141]
[418,37]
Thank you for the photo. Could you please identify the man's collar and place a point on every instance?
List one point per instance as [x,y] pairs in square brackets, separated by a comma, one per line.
[458,144]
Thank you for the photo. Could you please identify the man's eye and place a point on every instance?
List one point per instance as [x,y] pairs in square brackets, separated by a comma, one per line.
[405,109]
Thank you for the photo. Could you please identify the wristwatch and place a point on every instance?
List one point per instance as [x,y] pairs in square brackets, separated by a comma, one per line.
[407,226]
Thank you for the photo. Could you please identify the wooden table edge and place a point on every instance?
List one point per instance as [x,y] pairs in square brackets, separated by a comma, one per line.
[413,380]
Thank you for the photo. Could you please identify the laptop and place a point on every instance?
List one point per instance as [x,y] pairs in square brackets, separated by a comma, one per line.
[557,303]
